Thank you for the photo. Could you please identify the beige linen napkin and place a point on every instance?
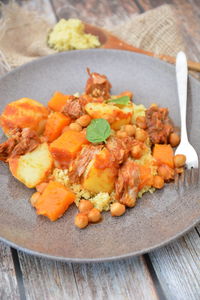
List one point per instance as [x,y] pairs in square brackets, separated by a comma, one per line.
[23,34]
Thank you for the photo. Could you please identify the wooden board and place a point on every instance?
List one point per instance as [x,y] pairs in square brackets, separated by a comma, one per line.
[178,267]
[126,279]
[8,281]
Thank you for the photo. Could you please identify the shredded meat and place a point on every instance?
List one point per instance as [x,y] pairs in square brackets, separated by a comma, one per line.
[98,86]
[73,108]
[120,148]
[21,141]
[127,183]
[159,125]
[79,165]
[6,149]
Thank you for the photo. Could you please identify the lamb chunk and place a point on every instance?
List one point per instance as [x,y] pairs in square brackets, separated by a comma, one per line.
[98,86]
[127,183]
[21,141]
[73,108]
[159,126]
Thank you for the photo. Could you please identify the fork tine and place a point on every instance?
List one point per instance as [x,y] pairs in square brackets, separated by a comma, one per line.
[192,177]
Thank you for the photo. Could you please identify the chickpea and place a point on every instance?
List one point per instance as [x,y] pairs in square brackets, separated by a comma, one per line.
[40,187]
[34,198]
[174,139]
[117,209]
[166,172]
[130,130]
[84,120]
[141,122]
[158,182]
[136,152]
[179,160]
[140,135]
[121,134]
[75,126]
[94,215]
[85,206]
[81,220]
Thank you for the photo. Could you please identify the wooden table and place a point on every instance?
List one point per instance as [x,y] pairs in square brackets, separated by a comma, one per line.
[172,272]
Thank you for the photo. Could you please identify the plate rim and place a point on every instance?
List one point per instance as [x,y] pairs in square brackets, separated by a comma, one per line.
[98,259]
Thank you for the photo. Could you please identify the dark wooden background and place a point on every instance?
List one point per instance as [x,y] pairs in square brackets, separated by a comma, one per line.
[171,272]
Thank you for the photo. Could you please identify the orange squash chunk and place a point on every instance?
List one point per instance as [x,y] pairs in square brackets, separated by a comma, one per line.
[54,200]
[146,177]
[57,101]
[164,154]
[54,125]
[66,147]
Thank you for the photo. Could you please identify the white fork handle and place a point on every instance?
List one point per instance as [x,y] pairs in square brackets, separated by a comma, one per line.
[182,79]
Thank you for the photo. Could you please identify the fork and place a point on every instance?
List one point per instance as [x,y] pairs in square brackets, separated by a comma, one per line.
[184,147]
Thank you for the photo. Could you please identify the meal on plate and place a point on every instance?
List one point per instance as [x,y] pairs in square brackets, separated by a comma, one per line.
[97,150]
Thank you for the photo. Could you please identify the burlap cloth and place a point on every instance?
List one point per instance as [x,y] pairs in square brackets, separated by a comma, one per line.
[23,34]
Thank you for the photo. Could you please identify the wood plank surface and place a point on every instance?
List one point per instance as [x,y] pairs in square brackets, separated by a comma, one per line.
[178,267]
[101,13]
[49,280]
[8,282]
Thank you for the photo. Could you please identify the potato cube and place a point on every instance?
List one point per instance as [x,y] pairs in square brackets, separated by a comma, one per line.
[113,114]
[33,167]
[100,174]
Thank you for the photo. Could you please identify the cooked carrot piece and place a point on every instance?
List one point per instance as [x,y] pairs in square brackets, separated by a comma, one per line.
[54,125]
[146,177]
[164,154]
[66,147]
[54,201]
[57,101]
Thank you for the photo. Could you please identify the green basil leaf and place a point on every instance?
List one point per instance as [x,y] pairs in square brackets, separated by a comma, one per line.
[122,100]
[98,131]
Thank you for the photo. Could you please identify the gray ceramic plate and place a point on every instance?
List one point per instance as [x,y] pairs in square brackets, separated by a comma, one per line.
[157,219]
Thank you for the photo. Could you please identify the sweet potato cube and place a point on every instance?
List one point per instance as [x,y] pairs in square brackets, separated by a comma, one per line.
[54,200]
[146,177]
[57,101]
[24,113]
[67,146]
[54,125]
[164,154]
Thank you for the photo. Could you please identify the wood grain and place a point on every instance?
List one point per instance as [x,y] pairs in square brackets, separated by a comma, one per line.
[47,280]
[8,282]
[126,279]
[100,13]
[178,267]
